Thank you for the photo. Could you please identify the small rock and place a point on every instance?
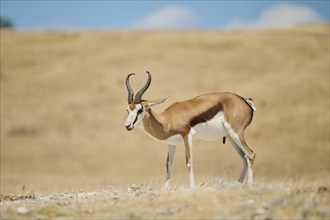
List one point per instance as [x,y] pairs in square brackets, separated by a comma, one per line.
[260,211]
[135,187]
[22,210]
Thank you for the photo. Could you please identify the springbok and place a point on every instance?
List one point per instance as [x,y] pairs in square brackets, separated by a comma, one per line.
[209,116]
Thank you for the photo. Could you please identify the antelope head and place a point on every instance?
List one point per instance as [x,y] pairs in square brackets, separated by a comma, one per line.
[136,106]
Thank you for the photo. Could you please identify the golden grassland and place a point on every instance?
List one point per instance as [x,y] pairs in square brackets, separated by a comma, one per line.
[63,101]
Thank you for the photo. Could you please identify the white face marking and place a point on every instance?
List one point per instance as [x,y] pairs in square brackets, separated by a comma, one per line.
[135,116]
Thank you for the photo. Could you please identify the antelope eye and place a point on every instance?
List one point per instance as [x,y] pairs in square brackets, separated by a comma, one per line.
[140,111]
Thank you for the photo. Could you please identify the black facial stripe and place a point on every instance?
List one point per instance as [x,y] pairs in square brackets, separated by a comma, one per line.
[135,119]
[137,115]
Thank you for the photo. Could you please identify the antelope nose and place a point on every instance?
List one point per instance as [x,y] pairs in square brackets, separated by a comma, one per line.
[128,127]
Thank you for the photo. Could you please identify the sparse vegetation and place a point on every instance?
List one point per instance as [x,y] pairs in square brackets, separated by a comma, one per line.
[217,200]
[65,151]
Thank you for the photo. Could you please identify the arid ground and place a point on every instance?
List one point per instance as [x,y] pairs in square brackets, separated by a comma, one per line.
[66,153]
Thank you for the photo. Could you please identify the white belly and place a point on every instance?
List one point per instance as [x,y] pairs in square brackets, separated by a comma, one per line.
[210,130]
[174,140]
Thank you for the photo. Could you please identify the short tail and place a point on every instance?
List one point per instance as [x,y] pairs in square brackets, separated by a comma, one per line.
[249,101]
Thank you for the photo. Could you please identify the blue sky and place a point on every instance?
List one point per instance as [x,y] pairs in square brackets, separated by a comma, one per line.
[58,14]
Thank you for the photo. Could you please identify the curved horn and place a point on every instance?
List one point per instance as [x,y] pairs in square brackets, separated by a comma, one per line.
[129,89]
[139,95]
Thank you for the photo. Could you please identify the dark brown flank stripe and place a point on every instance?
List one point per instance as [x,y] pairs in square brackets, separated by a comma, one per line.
[207,115]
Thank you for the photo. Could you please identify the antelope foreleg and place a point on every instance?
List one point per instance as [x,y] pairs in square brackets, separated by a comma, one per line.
[188,152]
[169,163]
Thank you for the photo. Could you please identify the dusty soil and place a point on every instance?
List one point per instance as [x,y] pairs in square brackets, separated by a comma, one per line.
[65,151]
[217,200]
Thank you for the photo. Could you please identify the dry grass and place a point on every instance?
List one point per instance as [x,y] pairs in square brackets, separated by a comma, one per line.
[63,104]
[217,200]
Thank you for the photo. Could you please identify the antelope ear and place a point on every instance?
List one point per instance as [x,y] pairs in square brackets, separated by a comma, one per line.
[155,102]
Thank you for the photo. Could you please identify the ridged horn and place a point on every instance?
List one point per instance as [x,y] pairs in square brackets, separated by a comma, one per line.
[129,89]
[140,93]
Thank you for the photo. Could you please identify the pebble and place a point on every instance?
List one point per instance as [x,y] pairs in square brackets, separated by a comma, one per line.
[22,210]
